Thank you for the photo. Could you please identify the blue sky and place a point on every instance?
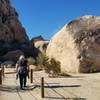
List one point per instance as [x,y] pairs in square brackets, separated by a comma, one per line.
[46,17]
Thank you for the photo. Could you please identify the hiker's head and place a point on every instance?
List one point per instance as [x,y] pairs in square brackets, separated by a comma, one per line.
[21,57]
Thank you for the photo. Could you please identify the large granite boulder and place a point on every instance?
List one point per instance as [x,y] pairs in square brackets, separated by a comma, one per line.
[77,45]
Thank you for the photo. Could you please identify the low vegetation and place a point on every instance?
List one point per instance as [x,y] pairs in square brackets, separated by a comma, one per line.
[31,61]
[50,66]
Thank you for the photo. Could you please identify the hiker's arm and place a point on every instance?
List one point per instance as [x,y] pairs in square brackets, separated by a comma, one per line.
[28,69]
[17,65]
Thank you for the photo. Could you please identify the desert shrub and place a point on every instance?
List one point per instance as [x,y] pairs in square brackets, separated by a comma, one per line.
[9,65]
[42,60]
[55,66]
[31,61]
[49,64]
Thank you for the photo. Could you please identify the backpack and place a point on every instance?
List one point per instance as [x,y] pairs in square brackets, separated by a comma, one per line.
[23,67]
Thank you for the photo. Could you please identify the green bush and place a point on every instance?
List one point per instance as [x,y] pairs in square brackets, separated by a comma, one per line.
[48,64]
[42,60]
[55,66]
[31,61]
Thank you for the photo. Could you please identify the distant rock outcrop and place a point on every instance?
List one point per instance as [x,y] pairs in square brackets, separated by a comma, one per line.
[12,34]
[38,38]
[77,45]
[40,43]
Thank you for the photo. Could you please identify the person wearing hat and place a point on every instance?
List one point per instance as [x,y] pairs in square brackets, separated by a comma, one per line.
[22,71]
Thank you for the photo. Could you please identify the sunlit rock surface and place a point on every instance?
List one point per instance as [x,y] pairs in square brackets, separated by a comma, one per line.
[77,45]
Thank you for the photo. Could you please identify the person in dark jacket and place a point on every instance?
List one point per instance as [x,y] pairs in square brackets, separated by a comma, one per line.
[22,71]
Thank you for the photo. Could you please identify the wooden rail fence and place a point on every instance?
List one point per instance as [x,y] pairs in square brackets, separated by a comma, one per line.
[42,82]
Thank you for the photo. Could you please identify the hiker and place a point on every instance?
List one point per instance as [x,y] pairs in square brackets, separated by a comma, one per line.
[22,71]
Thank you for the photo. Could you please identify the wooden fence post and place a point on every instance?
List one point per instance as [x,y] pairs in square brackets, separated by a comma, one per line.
[3,72]
[31,75]
[42,87]
[0,76]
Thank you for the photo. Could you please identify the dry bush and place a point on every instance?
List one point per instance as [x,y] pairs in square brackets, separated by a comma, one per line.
[31,61]
[50,66]
[55,66]
[42,60]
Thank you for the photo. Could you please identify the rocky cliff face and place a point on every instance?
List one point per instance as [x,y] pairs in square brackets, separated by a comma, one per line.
[10,27]
[77,45]
[12,34]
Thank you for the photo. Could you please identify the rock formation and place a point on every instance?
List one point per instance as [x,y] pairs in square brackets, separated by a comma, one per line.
[40,43]
[12,34]
[13,55]
[10,27]
[77,45]
[38,38]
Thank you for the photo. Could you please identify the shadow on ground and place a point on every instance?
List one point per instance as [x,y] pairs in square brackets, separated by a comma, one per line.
[67,98]
[55,85]
[6,88]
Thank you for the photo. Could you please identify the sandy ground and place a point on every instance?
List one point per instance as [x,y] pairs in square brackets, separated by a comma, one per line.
[77,87]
